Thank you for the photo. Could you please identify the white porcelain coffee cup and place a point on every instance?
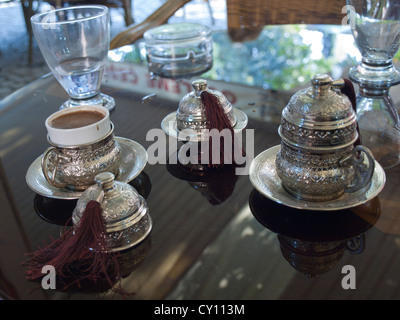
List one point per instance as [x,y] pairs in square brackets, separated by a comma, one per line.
[78,125]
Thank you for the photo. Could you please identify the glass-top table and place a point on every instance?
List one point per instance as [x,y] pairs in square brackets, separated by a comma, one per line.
[214,235]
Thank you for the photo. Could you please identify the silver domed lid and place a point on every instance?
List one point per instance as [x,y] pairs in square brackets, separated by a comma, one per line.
[125,212]
[191,111]
[319,116]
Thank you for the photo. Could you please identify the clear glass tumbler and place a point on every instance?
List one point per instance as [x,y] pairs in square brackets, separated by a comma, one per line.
[379,124]
[376,30]
[75,42]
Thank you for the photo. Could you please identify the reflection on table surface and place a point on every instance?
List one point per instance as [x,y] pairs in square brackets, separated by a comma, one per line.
[214,235]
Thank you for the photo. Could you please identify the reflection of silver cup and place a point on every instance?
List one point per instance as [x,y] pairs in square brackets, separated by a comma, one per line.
[75,167]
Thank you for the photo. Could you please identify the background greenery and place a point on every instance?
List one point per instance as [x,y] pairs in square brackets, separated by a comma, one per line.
[278,59]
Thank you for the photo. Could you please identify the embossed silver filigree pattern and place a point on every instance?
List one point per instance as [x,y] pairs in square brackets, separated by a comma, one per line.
[318,137]
[310,104]
[263,176]
[76,167]
[193,125]
[125,212]
[311,258]
[313,176]
[124,239]
[318,130]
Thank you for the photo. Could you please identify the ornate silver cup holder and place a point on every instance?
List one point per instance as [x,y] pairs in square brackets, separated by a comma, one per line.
[133,161]
[263,176]
[320,163]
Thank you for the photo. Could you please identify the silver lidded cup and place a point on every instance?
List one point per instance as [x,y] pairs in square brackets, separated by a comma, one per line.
[191,111]
[318,160]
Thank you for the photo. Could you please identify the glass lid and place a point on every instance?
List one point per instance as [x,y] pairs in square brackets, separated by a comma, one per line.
[177,32]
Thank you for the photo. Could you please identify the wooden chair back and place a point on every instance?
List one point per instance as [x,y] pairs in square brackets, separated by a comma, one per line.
[246,19]
[159,17]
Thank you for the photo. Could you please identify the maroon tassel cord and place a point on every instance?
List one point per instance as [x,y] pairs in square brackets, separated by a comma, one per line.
[216,119]
[349,91]
[79,254]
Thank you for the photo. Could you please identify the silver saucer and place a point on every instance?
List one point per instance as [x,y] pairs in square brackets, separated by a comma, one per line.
[169,126]
[264,178]
[133,161]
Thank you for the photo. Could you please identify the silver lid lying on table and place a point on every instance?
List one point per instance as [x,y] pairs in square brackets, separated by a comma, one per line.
[125,212]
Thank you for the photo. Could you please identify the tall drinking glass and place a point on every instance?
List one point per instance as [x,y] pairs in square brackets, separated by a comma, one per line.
[75,42]
[376,29]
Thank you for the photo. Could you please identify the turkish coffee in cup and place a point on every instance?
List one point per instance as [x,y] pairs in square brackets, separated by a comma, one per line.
[82,146]
[81,118]
[78,125]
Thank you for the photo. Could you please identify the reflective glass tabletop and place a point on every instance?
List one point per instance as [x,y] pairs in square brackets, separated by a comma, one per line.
[214,235]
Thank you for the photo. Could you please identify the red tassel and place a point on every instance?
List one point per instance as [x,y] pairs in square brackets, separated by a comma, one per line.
[79,254]
[216,119]
[349,91]
[215,114]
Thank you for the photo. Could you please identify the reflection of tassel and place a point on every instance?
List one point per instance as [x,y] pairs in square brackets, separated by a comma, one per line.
[220,186]
[216,119]
[348,90]
[79,254]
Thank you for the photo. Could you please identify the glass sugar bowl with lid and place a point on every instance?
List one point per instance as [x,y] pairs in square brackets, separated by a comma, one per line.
[179,50]
[320,158]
